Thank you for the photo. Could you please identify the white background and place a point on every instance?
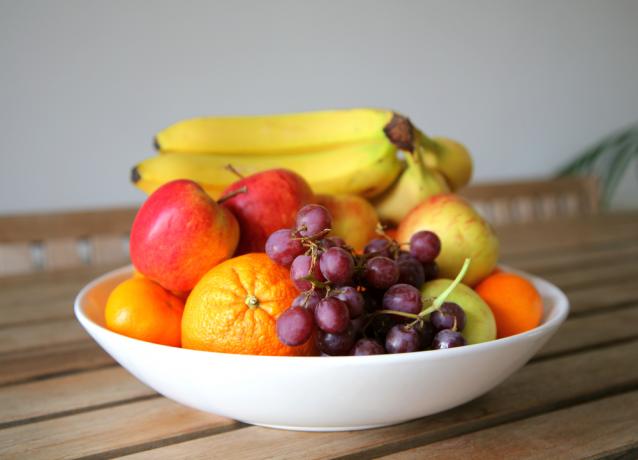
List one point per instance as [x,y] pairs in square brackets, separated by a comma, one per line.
[84,85]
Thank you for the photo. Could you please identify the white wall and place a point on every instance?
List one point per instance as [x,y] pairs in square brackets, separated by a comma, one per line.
[85,85]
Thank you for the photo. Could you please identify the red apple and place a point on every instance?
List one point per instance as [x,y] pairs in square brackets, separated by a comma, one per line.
[179,234]
[270,202]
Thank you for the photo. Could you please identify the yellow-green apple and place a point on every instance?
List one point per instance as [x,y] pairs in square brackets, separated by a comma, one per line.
[264,203]
[353,218]
[462,231]
[480,325]
[179,234]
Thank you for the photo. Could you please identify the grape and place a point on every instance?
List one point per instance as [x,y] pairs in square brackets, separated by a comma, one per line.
[404,298]
[294,326]
[336,344]
[449,316]
[427,332]
[333,241]
[430,270]
[282,247]
[381,324]
[381,272]
[379,247]
[373,300]
[411,271]
[313,219]
[332,315]
[325,243]
[425,246]
[403,255]
[366,347]
[358,324]
[300,268]
[402,339]
[353,299]
[337,266]
[313,298]
[447,339]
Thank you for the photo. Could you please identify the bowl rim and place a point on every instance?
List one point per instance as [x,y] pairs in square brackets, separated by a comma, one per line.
[561,307]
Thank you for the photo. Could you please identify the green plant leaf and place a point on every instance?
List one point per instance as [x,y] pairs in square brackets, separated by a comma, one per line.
[608,160]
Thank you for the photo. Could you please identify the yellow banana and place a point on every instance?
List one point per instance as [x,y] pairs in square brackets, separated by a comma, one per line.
[360,169]
[448,157]
[286,133]
[415,184]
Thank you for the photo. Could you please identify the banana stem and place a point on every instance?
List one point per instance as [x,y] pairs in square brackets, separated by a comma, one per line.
[425,142]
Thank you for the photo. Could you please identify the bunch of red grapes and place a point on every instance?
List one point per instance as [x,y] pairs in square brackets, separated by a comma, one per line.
[361,304]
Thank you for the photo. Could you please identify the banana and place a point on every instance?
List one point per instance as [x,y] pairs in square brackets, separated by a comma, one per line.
[287,133]
[448,157]
[364,169]
[415,184]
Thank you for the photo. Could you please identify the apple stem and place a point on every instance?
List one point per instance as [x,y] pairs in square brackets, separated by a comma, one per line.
[229,195]
[436,304]
[232,169]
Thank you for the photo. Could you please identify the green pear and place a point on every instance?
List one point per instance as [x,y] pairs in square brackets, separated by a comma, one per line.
[415,184]
[480,325]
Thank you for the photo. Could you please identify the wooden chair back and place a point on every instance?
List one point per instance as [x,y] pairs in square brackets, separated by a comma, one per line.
[51,241]
[534,200]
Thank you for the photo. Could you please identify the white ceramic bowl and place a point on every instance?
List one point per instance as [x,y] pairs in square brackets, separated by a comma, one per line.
[315,393]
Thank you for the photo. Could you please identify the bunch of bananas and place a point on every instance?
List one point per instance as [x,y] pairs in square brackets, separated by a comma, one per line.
[351,151]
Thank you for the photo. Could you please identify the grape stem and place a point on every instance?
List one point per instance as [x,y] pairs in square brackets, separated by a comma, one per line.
[436,304]
[398,313]
[315,282]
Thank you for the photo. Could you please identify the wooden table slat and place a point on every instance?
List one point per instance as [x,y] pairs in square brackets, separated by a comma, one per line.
[585,430]
[562,261]
[69,393]
[146,423]
[540,238]
[41,335]
[51,361]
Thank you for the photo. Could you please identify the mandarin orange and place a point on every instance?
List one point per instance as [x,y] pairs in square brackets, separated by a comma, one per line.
[234,308]
[144,310]
[515,302]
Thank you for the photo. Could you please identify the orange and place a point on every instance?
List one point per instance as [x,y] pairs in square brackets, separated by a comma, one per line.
[234,307]
[515,302]
[144,310]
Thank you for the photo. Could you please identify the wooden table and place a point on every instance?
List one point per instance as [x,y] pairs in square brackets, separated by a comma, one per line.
[62,397]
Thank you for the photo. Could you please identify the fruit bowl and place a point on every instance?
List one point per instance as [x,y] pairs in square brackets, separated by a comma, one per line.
[318,393]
